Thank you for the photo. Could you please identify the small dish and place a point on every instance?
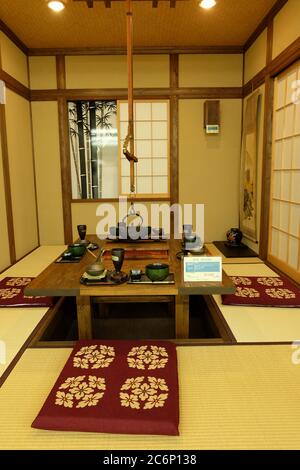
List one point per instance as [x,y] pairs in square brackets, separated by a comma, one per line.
[135,275]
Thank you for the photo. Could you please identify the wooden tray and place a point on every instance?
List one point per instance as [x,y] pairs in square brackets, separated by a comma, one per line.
[139,240]
[141,254]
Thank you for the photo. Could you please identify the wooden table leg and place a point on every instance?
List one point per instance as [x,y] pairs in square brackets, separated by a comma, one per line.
[84,317]
[182,316]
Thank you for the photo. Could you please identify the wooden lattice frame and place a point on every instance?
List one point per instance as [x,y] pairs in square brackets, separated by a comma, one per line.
[107,3]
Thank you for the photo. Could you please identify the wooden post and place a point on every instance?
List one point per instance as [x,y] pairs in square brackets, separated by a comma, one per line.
[84,317]
[130,91]
[182,316]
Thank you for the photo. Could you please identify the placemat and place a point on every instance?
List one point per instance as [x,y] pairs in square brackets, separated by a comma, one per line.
[263,292]
[12,294]
[124,387]
[242,251]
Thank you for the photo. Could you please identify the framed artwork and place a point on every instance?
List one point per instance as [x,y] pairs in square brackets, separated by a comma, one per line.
[248,175]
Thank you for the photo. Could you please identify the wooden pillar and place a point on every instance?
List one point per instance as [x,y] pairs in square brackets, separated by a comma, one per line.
[84,317]
[182,316]
[64,150]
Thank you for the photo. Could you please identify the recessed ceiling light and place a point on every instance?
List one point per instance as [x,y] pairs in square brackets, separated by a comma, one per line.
[207,4]
[56,6]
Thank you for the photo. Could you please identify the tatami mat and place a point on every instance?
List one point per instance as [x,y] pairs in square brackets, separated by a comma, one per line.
[34,263]
[16,324]
[231,397]
[259,324]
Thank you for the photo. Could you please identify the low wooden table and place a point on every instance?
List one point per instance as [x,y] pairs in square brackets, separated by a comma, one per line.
[64,280]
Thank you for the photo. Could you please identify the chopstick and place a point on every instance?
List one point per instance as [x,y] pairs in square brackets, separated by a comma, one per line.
[91,253]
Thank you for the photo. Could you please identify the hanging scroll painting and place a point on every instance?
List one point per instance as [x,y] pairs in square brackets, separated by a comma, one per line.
[248,175]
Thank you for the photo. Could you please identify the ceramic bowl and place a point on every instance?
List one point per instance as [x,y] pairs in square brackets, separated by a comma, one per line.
[157,271]
[77,249]
[95,269]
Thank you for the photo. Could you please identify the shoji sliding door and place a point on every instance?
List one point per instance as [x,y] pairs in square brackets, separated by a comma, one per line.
[284,235]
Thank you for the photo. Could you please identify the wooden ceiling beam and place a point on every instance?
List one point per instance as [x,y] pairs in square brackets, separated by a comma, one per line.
[107,3]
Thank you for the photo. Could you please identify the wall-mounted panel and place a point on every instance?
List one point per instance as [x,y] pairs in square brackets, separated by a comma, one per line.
[286,26]
[210,70]
[256,56]
[96,71]
[111,71]
[4,252]
[48,172]
[42,72]
[14,61]
[151,71]
[209,165]
[20,154]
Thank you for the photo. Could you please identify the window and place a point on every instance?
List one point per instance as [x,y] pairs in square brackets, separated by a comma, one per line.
[93,149]
[97,132]
[151,144]
[284,240]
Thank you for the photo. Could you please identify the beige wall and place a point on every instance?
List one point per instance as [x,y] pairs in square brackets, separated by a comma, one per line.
[14,61]
[111,71]
[48,172]
[21,173]
[256,56]
[4,252]
[286,26]
[210,70]
[260,137]
[42,72]
[209,165]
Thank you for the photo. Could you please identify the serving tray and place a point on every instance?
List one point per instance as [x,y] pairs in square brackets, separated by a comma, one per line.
[73,259]
[145,280]
[107,281]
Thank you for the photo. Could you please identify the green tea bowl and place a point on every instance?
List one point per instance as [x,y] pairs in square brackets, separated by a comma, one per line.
[157,271]
[77,249]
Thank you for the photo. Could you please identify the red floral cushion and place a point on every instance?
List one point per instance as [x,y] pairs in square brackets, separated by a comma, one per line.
[124,387]
[263,292]
[12,294]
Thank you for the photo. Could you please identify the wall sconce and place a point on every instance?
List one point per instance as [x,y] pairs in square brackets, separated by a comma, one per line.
[212,116]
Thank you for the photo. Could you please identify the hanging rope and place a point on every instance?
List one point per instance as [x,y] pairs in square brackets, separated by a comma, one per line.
[129,141]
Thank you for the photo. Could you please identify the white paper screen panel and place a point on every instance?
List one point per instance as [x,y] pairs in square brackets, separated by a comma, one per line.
[284,239]
[293,252]
[296,151]
[289,120]
[287,153]
[297,119]
[151,144]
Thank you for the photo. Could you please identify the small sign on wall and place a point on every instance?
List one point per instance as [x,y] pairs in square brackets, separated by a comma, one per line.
[2,92]
[202,268]
[212,116]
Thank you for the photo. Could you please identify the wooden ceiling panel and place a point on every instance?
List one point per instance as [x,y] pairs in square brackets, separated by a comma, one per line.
[231,22]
